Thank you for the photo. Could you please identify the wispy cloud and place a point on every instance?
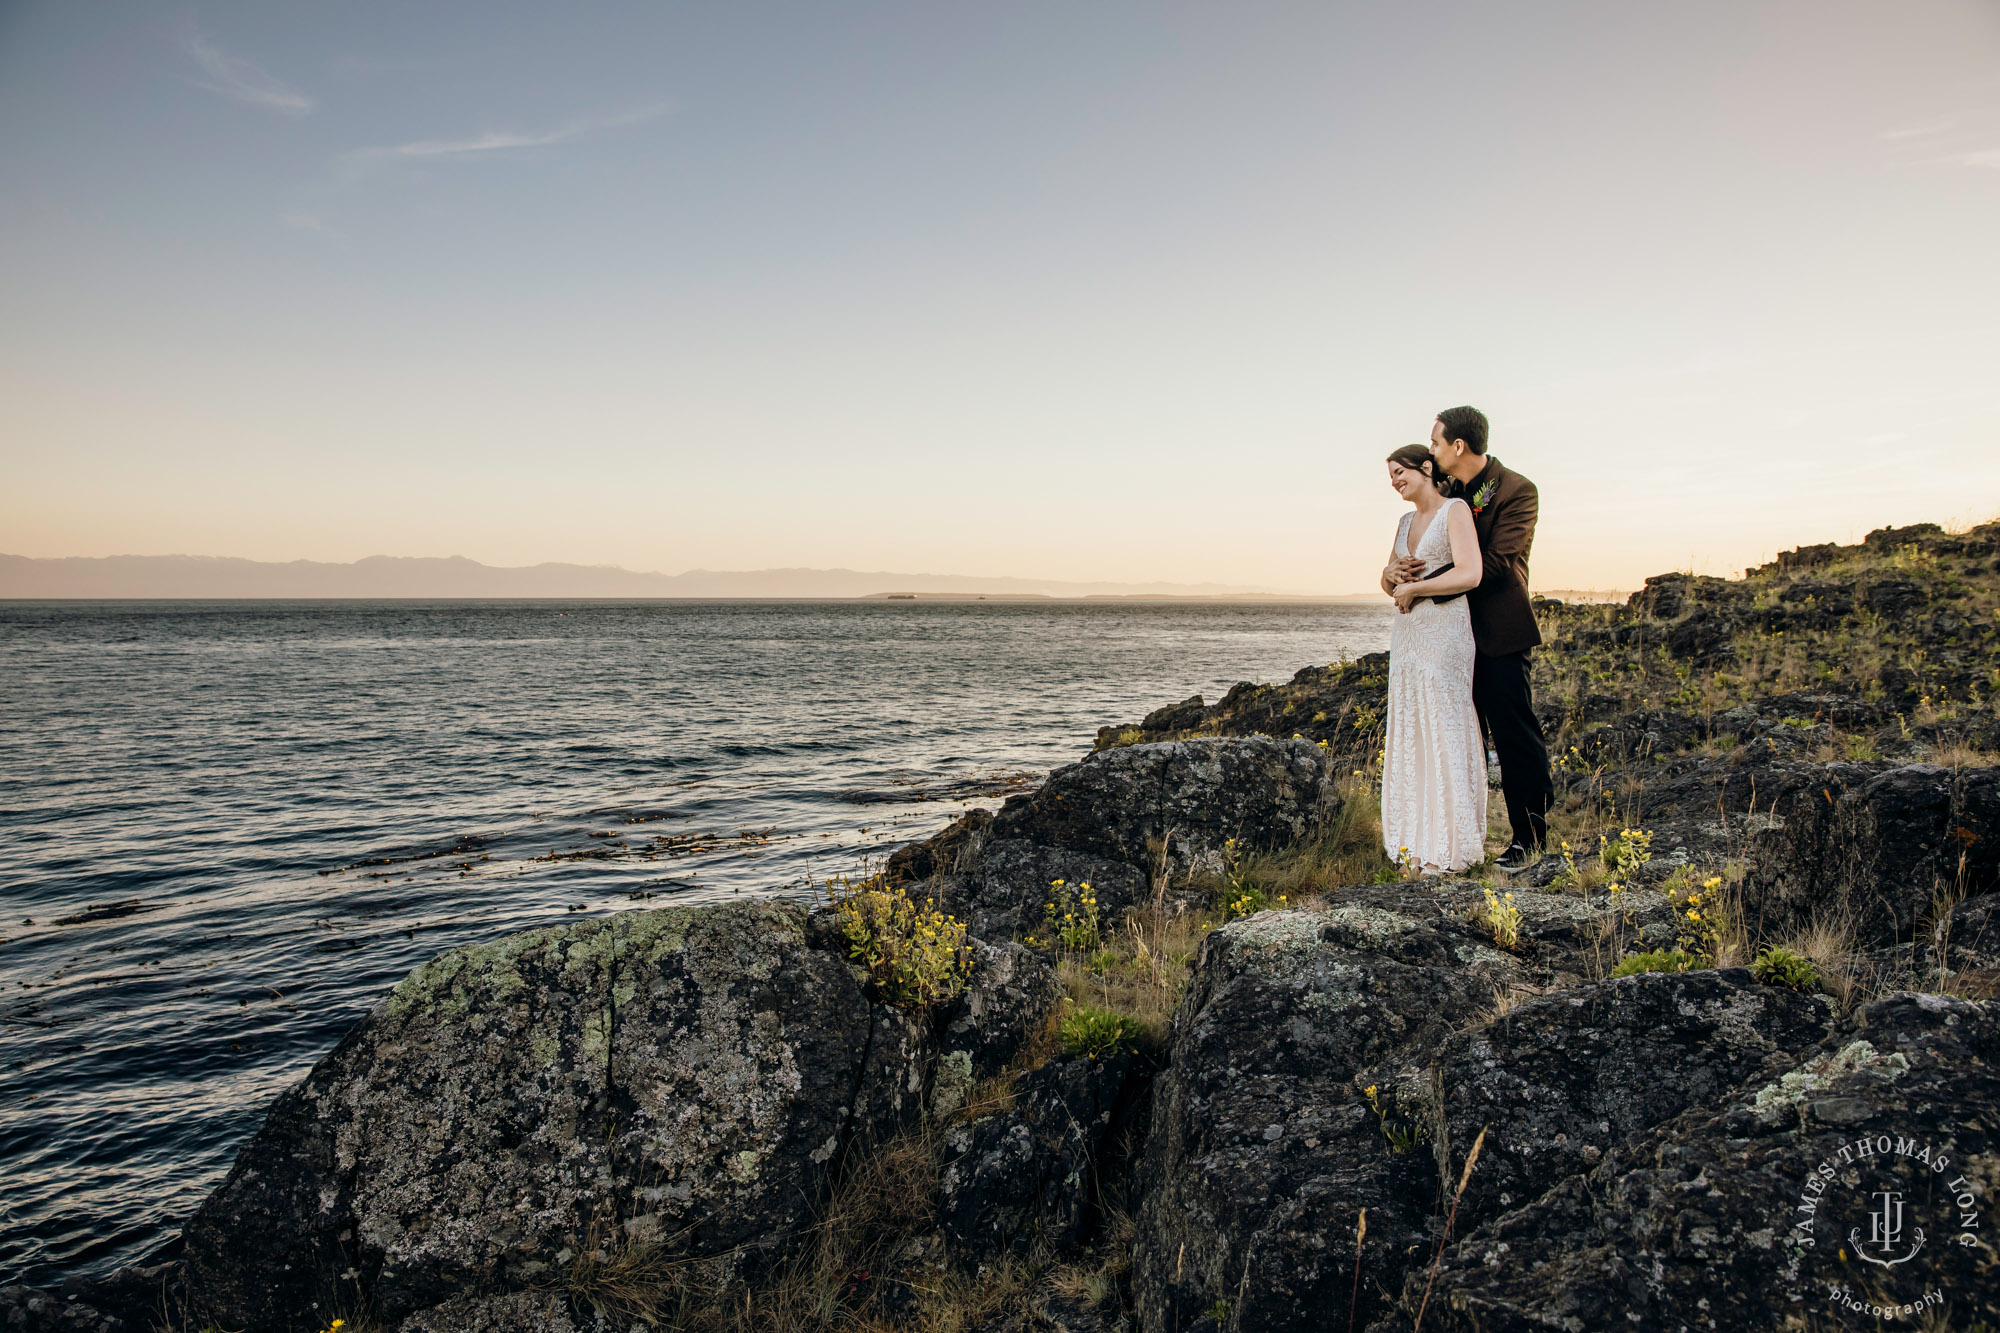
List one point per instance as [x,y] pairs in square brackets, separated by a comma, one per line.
[312,224]
[234,76]
[1927,130]
[483,143]
[1963,138]
[503,141]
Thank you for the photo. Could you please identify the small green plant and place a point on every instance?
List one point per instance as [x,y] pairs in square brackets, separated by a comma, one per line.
[1096,1033]
[1779,966]
[915,956]
[1699,919]
[1245,901]
[1620,902]
[1861,750]
[1219,1312]
[1504,918]
[1572,761]
[1241,895]
[1570,874]
[1070,917]
[1402,1135]
[1657,960]
[1628,856]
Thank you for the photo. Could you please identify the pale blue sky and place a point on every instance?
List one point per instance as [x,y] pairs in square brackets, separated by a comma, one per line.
[1105,291]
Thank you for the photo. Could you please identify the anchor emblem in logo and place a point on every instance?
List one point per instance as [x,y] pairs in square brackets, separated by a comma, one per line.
[1885,1231]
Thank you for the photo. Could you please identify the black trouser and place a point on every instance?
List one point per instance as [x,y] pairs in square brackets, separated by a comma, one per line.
[1506,704]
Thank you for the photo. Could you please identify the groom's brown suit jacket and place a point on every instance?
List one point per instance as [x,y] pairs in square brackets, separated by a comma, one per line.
[1504,508]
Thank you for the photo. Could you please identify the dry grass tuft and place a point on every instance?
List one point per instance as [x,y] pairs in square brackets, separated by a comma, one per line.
[1962,754]
[1506,998]
[1733,945]
[1609,940]
[1829,944]
[631,1280]
[1348,851]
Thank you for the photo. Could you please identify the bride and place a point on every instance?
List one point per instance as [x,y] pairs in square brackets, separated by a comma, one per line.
[1434,762]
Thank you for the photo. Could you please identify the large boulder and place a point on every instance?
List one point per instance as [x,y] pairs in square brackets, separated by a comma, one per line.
[1005,891]
[1886,850]
[1189,796]
[1128,821]
[1260,1139]
[1266,1141]
[682,1079]
[1764,1208]
[1562,1078]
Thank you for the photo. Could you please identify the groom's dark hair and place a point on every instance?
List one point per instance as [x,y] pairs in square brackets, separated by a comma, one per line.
[1465,423]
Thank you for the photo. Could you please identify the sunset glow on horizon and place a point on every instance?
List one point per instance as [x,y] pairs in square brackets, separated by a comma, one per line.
[1110,293]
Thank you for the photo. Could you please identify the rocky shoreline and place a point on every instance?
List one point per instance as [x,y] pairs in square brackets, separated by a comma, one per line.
[1596,1096]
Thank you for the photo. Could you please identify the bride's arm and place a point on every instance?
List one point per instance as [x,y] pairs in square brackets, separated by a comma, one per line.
[1465,571]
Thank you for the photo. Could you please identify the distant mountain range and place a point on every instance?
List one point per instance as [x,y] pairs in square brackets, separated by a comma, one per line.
[200,576]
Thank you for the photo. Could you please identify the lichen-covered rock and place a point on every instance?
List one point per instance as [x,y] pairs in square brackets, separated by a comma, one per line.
[515,1312]
[1119,804]
[1266,1143]
[1005,1002]
[688,1077]
[1027,1174]
[1006,890]
[1880,847]
[1120,819]
[1765,1208]
[1258,1130]
[1562,1078]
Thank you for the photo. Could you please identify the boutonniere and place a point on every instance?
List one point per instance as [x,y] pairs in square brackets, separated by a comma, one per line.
[1484,495]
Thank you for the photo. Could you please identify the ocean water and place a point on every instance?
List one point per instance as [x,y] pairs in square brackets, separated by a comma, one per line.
[227,828]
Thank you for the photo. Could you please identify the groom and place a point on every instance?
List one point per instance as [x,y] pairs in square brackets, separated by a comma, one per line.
[1504,506]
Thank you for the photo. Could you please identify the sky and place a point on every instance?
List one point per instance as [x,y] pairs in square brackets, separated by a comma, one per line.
[1088,292]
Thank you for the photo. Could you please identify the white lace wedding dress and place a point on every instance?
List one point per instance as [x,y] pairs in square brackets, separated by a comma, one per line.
[1434,762]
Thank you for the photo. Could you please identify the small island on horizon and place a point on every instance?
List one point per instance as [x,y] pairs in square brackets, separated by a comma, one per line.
[200,577]
[381,577]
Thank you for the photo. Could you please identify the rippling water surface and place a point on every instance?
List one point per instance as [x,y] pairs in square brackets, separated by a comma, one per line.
[227,828]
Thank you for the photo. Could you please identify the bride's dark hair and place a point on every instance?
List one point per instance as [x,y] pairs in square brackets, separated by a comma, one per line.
[1417,458]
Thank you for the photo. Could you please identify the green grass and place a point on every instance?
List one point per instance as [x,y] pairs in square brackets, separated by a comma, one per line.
[1097,1033]
[1658,960]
